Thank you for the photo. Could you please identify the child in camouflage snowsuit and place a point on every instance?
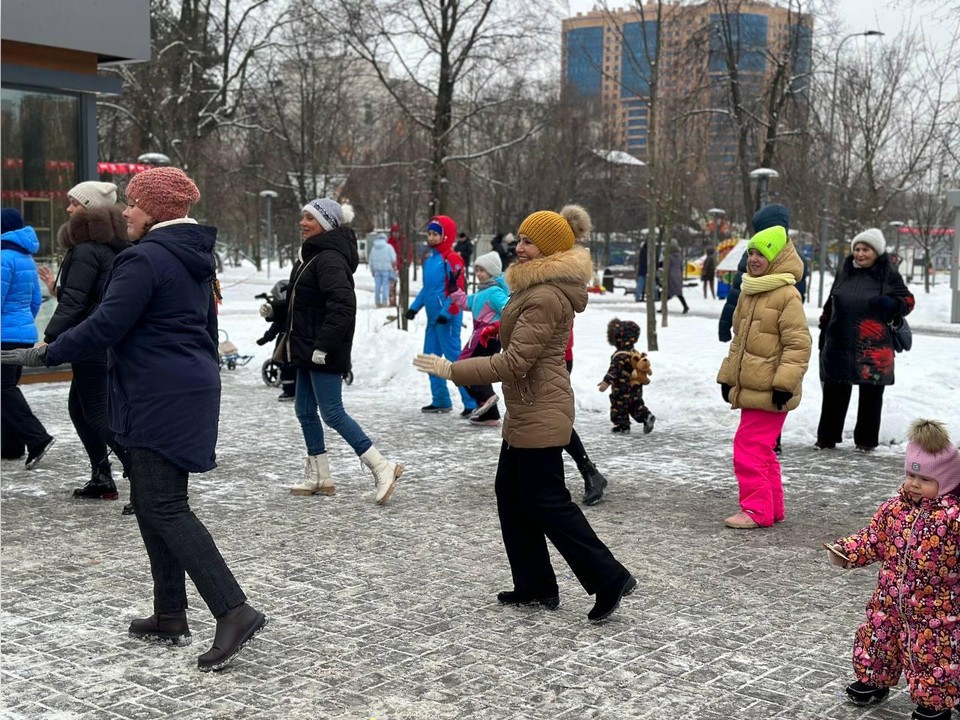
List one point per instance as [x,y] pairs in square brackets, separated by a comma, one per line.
[913,618]
[626,397]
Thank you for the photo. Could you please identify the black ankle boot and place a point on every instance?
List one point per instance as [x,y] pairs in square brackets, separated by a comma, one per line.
[512,597]
[922,712]
[608,599]
[235,628]
[164,628]
[861,693]
[100,485]
[593,483]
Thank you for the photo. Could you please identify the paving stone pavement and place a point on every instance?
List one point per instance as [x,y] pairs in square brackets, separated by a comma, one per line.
[391,612]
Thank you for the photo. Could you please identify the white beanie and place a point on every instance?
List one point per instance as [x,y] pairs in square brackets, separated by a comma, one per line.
[329,213]
[491,263]
[872,237]
[93,194]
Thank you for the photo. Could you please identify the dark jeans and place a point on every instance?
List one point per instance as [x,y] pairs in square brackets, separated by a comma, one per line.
[88,410]
[19,423]
[177,543]
[534,505]
[833,411]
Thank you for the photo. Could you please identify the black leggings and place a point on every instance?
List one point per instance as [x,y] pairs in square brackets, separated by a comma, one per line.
[87,404]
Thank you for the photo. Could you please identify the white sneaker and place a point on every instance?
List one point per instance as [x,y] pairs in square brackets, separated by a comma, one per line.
[488,403]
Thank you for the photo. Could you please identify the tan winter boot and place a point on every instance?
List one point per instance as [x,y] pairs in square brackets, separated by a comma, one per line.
[317,479]
[384,472]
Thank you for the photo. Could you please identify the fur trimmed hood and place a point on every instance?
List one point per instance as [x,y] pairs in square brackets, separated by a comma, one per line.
[569,270]
[105,226]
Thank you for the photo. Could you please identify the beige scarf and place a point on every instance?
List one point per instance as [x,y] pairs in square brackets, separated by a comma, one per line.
[755,285]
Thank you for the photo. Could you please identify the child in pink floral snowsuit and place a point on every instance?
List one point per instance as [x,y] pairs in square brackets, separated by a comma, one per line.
[913,618]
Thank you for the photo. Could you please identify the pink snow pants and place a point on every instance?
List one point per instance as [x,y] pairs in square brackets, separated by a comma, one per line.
[757,467]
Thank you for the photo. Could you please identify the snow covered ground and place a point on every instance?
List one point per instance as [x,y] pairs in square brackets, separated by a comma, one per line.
[683,387]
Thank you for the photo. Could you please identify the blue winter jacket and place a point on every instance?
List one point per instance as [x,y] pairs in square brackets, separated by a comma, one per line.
[433,295]
[495,297]
[158,321]
[382,257]
[21,296]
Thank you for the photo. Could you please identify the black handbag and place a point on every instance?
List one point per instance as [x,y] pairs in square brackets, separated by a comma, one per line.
[901,334]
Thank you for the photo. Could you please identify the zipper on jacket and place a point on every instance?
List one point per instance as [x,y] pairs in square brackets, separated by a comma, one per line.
[903,577]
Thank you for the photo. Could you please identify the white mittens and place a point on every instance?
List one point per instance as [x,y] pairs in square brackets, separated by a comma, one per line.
[434,365]
[266,311]
[319,357]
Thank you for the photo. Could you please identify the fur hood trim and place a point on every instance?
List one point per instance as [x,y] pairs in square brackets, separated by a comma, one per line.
[105,226]
[570,266]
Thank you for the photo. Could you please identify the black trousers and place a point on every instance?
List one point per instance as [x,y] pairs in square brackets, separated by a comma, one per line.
[833,411]
[534,505]
[177,543]
[20,425]
[87,404]
[482,393]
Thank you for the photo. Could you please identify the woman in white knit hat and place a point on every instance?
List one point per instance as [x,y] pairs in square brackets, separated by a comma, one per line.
[92,237]
[856,341]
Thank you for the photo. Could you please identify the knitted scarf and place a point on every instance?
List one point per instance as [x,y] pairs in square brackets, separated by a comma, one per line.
[755,285]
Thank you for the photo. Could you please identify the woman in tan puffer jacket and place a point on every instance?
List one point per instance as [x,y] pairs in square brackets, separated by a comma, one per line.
[763,372]
[548,284]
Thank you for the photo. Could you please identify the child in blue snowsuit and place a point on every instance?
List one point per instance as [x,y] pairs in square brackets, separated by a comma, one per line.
[443,274]
[486,305]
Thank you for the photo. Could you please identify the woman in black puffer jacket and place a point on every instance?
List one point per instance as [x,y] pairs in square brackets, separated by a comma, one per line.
[93,236]
[319,315]
[856,342]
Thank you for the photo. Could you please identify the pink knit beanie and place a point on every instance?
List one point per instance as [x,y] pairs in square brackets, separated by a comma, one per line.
[931,455]
[163,193]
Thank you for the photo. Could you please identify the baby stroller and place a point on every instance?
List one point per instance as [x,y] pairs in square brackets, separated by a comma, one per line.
[229,354]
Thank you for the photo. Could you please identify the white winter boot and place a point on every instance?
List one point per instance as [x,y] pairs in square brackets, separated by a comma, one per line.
[384,472]
[317,479]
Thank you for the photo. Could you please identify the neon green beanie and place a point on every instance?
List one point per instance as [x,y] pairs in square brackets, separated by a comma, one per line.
[770,241]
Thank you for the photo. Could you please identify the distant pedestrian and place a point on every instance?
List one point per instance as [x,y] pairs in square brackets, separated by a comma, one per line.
[629,371]
[708,272]
[464,248]
[443,274]
[20,303]
[158,321]
[319,316]
[638,293]
[485,305]
[94,234]
[404,253]
[856,340]
[382,262]
[675,276]
[912,625]
[549,287]
[762,374]
[499,244]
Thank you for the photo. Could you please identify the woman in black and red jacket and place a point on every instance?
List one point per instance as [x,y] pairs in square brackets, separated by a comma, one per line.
[856,341]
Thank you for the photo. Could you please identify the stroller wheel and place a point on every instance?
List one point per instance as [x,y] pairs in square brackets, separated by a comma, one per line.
[348,377]
[270,372]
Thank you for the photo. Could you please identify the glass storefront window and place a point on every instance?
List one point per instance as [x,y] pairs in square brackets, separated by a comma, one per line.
[39,134]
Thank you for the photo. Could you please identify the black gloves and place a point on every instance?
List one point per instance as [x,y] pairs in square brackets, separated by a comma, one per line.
[781,398]
[885,305]
[442,319]
[411,314]
[725,392]
[28,357]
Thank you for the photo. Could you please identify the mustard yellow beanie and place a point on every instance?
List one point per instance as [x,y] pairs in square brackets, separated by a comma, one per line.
[556,232]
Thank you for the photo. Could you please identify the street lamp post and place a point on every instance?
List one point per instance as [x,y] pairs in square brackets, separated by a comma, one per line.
[763,177]
[896,225]
[825,218]
[269,195]
[716,212]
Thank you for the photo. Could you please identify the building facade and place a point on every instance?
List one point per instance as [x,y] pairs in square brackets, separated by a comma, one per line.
[608,56]
[49,59]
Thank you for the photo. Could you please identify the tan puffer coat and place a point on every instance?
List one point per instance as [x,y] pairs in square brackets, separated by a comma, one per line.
[534,329]
[771,342]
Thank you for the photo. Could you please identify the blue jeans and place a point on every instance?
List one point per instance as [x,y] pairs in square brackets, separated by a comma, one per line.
[638,291]
[323,391]
[381,287]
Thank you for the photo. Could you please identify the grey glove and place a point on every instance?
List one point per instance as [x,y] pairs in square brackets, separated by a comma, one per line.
[319,357]
[28,357]
[266,311]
